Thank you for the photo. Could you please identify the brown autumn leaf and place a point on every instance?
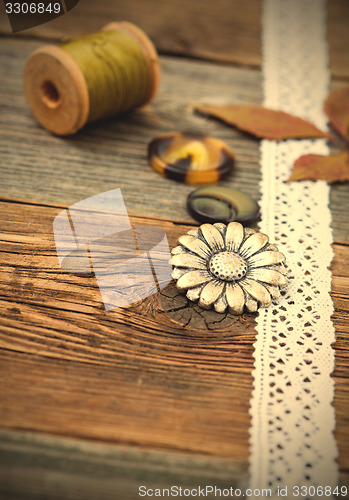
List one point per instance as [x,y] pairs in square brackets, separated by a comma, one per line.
[336,107]
[263,122]
[333,168]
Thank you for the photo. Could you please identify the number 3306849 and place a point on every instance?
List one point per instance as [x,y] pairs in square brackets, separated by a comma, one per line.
[32,8]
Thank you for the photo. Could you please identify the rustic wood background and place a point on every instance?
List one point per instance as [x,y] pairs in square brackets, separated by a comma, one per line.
[93,403]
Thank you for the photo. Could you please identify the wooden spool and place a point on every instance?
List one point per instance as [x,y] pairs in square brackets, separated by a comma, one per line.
[56,90]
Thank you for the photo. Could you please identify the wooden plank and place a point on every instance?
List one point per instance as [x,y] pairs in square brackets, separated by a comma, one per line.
[46,467]
[224,30]
[41,467]
[135,375]
[338,37]
[93,349]
[340,318]
[129,376]
[38,166]
[113,153]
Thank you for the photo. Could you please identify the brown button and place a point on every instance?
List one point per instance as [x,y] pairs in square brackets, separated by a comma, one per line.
[190,158]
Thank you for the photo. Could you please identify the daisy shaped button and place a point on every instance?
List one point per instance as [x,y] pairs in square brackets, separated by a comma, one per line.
[228,267]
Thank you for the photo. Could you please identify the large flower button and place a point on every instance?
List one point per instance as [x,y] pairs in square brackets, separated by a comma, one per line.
[228,267]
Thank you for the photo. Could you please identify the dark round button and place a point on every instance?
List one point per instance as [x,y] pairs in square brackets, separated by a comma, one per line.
[222,204]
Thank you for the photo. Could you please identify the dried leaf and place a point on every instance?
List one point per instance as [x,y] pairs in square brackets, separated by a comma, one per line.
[333,168]
[264,123]
[336,108]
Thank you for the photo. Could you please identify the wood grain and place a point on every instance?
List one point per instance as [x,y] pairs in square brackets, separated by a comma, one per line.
[113,153]
[225,30]
[338,37]
[40,467]
[94,402]
[133,375]
[129,376]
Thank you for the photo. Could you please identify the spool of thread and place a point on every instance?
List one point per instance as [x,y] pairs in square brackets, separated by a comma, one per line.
[92,77]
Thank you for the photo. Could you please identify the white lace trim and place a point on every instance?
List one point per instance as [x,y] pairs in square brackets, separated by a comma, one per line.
[291,436]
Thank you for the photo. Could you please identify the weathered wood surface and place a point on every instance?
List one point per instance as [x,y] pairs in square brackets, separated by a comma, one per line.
[39,467]
[224,30]
[113,153]
[135,375]
[131,376]
[138,377]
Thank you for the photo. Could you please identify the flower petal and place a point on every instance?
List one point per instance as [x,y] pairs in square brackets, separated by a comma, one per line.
[192,279]
[235,298]
[273,290]
[282,269]
[188,260]
[220,226]
[253,243]
[257,291]
[194,293]
[213,237]
[249,231]
[177,250]
[234,236]
[251,304]
[267,258]
[268,276]
[193,232]
[210,293]
[221,304]
[178,272]
[195,245]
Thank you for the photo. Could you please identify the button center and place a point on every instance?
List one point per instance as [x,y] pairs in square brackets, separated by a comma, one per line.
[227,266]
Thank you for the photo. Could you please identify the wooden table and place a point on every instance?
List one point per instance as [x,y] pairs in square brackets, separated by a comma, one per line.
[95,403]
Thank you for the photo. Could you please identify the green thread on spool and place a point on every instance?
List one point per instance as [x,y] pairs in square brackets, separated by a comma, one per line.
[115,70]
[92,77]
